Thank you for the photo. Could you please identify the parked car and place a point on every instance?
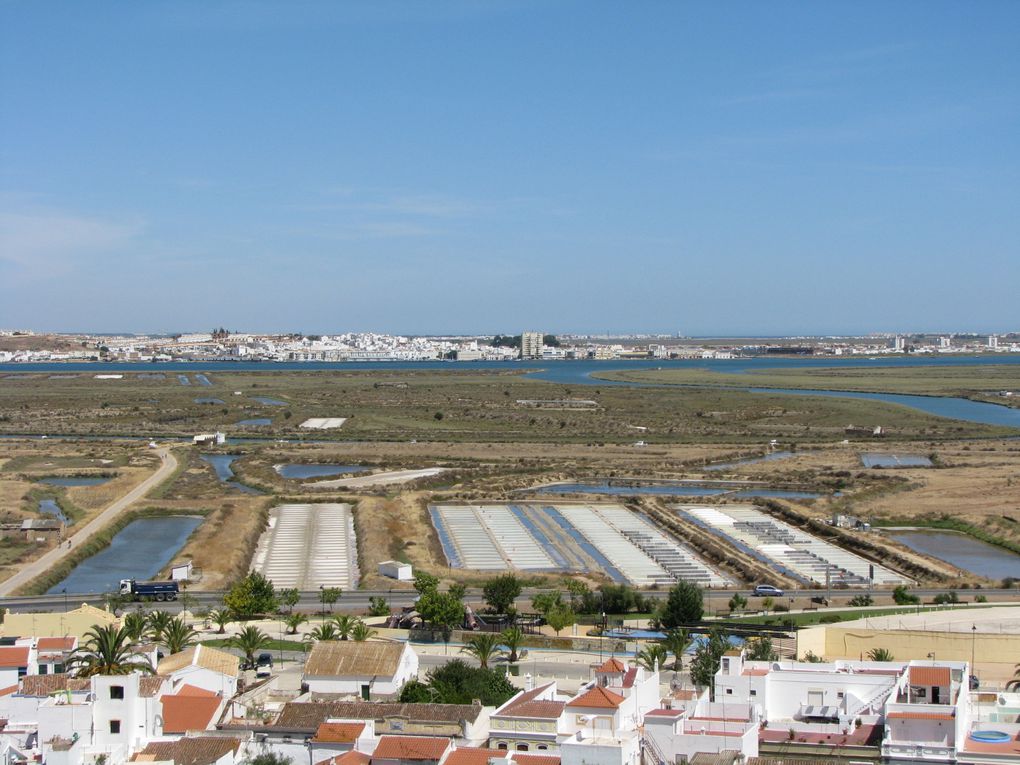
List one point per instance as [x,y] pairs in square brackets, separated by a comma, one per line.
[264,665]
[767,591]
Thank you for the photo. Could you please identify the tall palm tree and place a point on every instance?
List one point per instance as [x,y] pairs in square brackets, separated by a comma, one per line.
[1014,683]
[676,642]
[157,621]
[325,631]
[511,640]
[362,632]
[106,651]
[344,624]
[221,617]
[178,635]
[249,641]
[483,647]
[652,656]
[293,621]
[880,654]
[135,624]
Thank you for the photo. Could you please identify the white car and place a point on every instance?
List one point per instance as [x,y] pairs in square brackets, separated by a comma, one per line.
[767,591]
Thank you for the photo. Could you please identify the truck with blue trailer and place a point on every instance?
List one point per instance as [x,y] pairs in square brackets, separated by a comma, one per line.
[149,590]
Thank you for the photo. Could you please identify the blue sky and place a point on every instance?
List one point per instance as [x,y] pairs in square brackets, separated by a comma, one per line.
[705,168]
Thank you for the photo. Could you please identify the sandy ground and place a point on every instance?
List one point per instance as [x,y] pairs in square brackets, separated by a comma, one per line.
[994,620]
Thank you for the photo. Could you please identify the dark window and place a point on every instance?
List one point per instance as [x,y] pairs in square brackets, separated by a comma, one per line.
[542,747]
[58,668]
[117,692]
[522,747]
[502,746]
[44,669]
[114,726]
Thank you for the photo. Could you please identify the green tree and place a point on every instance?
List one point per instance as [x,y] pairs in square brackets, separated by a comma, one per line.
[378,607]
[249,641]
[344,625]
[106,651]
[457,590]
[559,618]
[329,596]
[860,600]
[1014,683]
[652,656]
[684,605]
[135,625]
[293,621]
[362,632]
[483,647]
[880,654]
[156,622]
[706,658]
[577,590]
[501,592]
[323,632]
[425,582]
[676,642]
[288,597]
[456,682]
[178,635]
[512,639]
[761,649]
[221,617]
[903,597]
[441,611]
[252,595]
[738,602]
[767,604]
[544,602]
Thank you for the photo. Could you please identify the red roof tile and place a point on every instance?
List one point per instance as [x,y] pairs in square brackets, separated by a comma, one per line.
[411,748]
[947,715]
[628,679]
[665,713]
[353,757]
[528,704]
[14,656]
[184,713]
[612,666]
[536,759]
[194,690]
[929,676]
[338,732]
[9,690]
[597,698]
[470,755]
[56,643]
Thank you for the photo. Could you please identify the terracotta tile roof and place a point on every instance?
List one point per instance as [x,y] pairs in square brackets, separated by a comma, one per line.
[612,666]
[150,685]
[628,679]
[9,690]
[597,698]
[528,704]
[44,685]
[338,732]
[353,757]
[184,713]
[14,656]
[929,676]
[947,715]
[201,656]
[200,750]
[194,690]
[471,755]
[536,759]
[309,715]
[665,713]
[347,658]
[56,643]
[411,748]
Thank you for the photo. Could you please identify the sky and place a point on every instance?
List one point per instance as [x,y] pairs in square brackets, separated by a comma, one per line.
[703,168]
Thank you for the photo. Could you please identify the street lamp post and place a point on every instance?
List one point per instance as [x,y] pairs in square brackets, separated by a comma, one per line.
[973,646]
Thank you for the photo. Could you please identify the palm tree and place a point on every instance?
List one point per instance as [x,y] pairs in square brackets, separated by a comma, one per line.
[483,647]
[344,624]
[325,631]
[362,632]
[249,641]
[221,617]
[652,656]
[178,635]
[1014,684]
[880,654]
[135,625]
[157,621]
[293,621]
[511,640]
[106,651]
[676,642]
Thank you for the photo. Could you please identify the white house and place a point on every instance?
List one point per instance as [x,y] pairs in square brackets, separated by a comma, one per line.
[203,667]
[369,669]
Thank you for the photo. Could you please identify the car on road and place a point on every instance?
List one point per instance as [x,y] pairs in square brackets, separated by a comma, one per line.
[767,591]
[264,665]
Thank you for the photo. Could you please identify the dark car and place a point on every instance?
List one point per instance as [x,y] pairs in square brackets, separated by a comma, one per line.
[264,665]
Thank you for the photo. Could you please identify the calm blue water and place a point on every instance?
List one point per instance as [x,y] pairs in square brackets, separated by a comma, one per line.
[203,380]
[749,461]
[183,380]
[269,401]
[296,470]
[76,481]
[208,400]
[50,507]
[962,551]
[221,465]
[139,551]
[894,460]
[255,422]
[579,373]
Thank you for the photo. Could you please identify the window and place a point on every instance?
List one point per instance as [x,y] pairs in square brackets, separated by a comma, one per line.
[754,692]
[729,691]
[114,726]
[839,694]
[117,692]
[921,692]
[542,747]
[502,745]
[522,747]
[44,669]
[58,669]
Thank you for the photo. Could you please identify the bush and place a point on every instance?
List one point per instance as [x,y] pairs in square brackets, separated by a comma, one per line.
[946,598]
[861,600]
[903,597]
[830,619]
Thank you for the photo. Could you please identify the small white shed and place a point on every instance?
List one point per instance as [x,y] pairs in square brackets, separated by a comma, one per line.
[181,572]
[394,569]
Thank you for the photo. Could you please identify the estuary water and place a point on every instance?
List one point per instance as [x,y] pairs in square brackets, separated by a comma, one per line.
[962,551]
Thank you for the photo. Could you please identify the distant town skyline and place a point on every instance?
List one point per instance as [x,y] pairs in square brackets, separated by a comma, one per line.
[720,170]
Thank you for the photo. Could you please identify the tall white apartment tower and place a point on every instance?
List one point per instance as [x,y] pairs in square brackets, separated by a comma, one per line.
[531,345]
[993,342]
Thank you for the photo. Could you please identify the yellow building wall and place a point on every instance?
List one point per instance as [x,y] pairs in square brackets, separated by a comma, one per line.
[56,624]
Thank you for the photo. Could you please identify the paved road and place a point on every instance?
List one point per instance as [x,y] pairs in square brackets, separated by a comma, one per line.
[37,567]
